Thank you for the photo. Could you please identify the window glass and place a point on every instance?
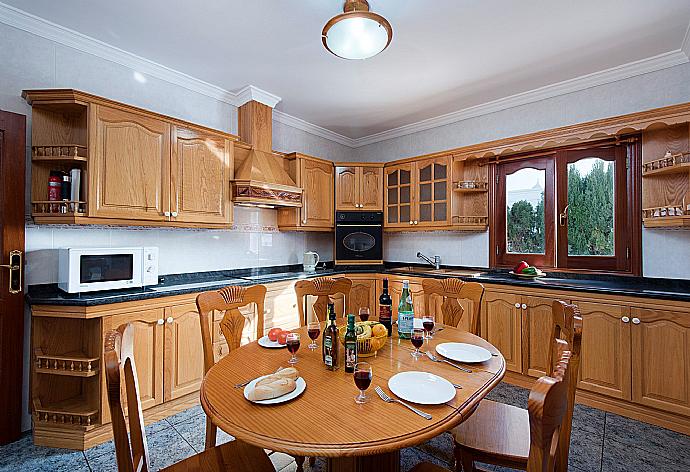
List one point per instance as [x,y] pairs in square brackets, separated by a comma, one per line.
[591,203]
[525,211]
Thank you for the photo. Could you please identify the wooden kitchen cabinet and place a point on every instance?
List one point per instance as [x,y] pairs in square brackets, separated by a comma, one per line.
[501,325]
[200,172]
[184,351]
[359,187]
[660,349]
[398,211]
[131,166]
[395,285]
[537,328]
[363,294]
[605,358]
[316,178]
[432,192]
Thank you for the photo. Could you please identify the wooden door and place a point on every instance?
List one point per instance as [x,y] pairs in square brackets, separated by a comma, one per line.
[605,358]
[432,191]
[399,196]
[501,325]
[371,189]
[200,177]
[537,326]
[184,354]
[362,294]
[347,188]
[661,359]
[12,162]
[317,197]
[148,352]
[130,169]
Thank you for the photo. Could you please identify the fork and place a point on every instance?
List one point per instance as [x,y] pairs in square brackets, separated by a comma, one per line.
[437,359]
[244,384]
[384,396]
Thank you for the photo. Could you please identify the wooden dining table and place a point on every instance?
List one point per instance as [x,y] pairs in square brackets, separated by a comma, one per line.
[325,421]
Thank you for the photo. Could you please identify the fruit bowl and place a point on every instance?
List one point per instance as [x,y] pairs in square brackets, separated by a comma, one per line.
[366,346]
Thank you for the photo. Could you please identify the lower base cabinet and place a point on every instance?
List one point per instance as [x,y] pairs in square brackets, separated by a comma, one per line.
[501,325]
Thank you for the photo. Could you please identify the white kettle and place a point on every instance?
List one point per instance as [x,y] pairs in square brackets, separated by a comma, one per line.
[310,260]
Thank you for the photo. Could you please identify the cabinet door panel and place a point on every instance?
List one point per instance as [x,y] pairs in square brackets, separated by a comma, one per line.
[605,358]
[399,196]
[347,188]
[501,325]
[538,321]
[371,188]
[184,355]
[362,294]
[661,360]
[201,174]
[317,182]
[148,353]
[433,186]
[131,166]
[281,309]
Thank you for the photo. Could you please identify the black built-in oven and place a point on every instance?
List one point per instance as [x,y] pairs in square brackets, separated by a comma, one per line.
[359,237]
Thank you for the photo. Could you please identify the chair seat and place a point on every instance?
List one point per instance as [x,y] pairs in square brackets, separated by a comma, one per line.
[235,456]
[497,430]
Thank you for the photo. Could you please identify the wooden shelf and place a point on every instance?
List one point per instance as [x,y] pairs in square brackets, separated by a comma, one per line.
[470,223]
[667,222]
[476,186]
[669,164]
[60,153]
[470,190]
[74,412]
[52,209]
[73,364]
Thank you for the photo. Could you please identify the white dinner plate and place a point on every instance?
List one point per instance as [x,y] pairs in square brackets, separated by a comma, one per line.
[301,385]
[463,352]
[265,342]
[421,387]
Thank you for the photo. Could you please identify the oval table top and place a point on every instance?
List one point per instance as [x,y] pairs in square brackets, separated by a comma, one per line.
[325,420]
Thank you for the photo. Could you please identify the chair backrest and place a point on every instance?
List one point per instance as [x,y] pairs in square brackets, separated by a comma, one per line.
[131,452]
[547,406]
[322,288]
[567,325]
[229,300]
[452,290]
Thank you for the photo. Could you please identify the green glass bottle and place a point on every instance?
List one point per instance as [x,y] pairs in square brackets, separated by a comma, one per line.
[350,345]
[405,312]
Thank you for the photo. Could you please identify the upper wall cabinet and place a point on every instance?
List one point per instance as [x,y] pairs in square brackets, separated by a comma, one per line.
[399,193]
[95,161]
[315,177]
[359,187]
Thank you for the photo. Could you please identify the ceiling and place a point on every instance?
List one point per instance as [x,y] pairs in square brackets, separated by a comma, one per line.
[446,55]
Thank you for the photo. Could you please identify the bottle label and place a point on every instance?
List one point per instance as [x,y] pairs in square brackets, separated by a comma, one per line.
[327,345]
[405,323]
[385,313]
[350,354]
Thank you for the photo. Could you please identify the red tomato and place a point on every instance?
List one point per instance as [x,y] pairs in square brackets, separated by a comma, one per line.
[282,337]
[273,333]
[522,265]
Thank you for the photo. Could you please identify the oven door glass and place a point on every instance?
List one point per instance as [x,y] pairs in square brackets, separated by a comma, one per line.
[106,268]
[359,242]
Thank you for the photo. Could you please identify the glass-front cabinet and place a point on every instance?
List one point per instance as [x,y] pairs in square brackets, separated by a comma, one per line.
[399,199]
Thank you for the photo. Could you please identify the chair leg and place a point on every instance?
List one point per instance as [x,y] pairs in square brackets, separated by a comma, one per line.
[211,430]
[300,463]
[463,460]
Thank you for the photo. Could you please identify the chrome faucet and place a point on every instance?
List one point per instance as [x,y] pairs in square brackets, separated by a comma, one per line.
[436,262]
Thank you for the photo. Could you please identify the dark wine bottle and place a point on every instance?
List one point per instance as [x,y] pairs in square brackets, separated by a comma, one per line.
[350,345]
[330,341]
[385,308]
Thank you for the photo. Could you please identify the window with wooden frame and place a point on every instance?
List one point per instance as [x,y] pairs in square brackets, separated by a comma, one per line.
[573,208]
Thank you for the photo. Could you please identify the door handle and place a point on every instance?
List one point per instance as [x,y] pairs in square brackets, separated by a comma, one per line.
[15,268]
[563,217]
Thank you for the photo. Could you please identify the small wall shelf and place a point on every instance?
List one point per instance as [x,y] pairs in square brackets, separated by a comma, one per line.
[76,412]
[669,164]
[65,153]
[470,186]
[58,208]
[74,364]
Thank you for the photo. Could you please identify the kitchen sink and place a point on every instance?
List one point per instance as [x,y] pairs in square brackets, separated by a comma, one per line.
[431,270]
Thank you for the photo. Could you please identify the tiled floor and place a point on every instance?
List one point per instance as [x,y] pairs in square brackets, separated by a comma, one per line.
[601,442]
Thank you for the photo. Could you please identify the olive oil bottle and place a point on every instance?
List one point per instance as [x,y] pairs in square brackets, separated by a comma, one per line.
[350,345]
[331,345]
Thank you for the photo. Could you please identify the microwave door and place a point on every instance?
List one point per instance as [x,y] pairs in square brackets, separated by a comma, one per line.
[109,271]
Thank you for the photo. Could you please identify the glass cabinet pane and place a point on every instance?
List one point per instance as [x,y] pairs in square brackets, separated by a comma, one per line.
[393,178]
[392,196]
[425,193]
[440,190]
[404,213]
[405,177]
[440,171]
[392,214]
[440,213]
[405,195]
[425,212]
[425,173]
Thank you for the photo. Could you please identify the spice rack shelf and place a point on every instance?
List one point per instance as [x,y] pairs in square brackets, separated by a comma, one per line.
[76,412]
[62,153]
[73,364]
[471,186]
[469,199]
[669,164]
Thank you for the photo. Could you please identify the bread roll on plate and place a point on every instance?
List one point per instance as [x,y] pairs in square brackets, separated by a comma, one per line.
[274,385]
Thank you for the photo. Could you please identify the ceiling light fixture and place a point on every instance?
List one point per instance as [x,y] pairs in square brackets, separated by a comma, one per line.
[356,33]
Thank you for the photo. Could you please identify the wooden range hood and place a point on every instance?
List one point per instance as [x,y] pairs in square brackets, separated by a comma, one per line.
[260,175]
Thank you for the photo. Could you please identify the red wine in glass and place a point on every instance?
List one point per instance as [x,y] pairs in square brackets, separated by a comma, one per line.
[314,333]
[428,326]
[363,379]
[293,346]
[364,314]
[417,341]
[292,343]
[313,330]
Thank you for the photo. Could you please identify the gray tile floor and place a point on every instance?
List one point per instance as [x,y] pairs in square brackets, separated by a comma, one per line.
[601,442]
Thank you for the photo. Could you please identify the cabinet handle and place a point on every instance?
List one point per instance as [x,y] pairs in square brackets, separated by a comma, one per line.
[161,321]
[636,321]
[170,319]
[174,213]
[517,305]
[625,319]
[415,221]
[411,222]
[524,306]
[166,213]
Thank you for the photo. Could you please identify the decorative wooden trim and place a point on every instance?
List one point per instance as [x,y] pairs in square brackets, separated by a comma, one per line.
[249,192]
[669,164]
[359,164]
[75,413]
[75,364]
[64,153]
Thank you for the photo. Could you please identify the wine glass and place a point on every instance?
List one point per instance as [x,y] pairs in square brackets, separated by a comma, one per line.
[364,313]
[363,375]
[428,323]
[292,341]
[417,339]
[313,329]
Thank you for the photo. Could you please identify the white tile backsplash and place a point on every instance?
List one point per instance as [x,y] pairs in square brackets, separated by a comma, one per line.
[455,248]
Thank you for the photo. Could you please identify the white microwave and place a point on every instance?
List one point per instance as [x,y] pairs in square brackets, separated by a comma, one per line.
[92,269]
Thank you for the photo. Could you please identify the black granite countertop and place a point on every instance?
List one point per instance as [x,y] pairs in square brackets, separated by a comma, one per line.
[179,284]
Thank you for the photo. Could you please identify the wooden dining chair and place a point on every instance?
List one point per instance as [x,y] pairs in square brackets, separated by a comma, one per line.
[323,288]
[546,411]
[228,300]
[132,452]
[497,433]
[451,291]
